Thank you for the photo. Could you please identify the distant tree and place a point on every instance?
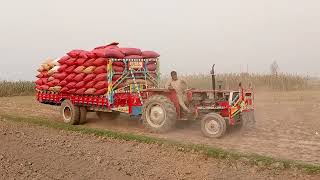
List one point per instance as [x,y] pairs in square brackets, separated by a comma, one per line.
[274,68]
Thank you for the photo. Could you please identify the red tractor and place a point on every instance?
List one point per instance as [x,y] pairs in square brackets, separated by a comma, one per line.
[137,93]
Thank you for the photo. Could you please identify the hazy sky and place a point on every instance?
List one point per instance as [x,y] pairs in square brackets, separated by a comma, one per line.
[190,35]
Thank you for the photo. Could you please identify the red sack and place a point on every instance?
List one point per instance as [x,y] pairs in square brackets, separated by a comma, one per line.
[133,57]
[80,85]
[75,53]
[116,77]
[100,69]
[79,69]
[101,77]
[111,46]
[89,62]
[113,53]
[44,81]
[50,84]
[99,52]
[72,91]
[39,82]
[151,67]
[130,51]
[71,85]
[118,68]
[63,60]
[100,61]
[44,87]
[101,85]
[83,54]
[90,84]
[150,54]
[91,55]
[80,91]
[70,69]
[64,90]
[54,82]
[43,74]
[70,77]
[62,68]
[40,75]
[63,83]
[60,76]
[89,77]
[79,77]
[80,61]
[118,63]
[70,61]
[101,91]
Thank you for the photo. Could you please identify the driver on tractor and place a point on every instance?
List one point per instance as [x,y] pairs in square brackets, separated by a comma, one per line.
[180,86]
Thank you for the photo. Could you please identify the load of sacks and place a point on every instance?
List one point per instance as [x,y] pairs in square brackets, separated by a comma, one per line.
[85,72]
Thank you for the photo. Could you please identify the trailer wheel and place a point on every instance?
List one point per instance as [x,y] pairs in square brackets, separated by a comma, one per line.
[70,113]
[83,115]
[159,114]
[213,125]
[105,116]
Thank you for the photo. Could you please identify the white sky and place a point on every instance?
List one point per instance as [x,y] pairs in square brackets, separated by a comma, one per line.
[190,35]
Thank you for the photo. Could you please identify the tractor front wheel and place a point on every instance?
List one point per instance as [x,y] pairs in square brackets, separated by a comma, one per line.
[159,114]
[70,113]
[213,125]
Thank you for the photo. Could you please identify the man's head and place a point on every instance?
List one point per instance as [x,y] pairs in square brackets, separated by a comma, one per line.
[174,75]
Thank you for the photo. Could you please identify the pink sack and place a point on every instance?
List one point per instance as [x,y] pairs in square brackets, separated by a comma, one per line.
[133,57]
[100,61]
[114,53]
[100,85]
[130,51]
[79,77]
[79,69]
[118,63]
[83,54]
[91,55]
[150,54]
[99,52]
[90,91]
[44,81]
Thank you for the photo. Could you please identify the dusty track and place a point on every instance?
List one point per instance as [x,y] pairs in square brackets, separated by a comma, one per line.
[34,152]
[287,125]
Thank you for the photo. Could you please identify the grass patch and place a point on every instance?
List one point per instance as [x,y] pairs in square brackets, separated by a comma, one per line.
[209,151]
[17,88]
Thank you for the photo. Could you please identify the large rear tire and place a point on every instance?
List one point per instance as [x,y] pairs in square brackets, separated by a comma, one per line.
[213,125]
[106,116]
[70,113]
[159,114]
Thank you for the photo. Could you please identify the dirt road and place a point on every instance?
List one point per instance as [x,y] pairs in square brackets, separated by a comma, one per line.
[288,125]
[34,152]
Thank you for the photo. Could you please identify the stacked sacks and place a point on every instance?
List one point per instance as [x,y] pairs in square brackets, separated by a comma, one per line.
[85,72]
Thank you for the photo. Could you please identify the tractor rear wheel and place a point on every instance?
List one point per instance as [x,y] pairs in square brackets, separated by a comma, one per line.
[159,114]
[213,125]
[106,116]
[70,113]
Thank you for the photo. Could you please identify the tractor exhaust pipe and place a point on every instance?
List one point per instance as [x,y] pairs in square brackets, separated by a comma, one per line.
[213,78]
